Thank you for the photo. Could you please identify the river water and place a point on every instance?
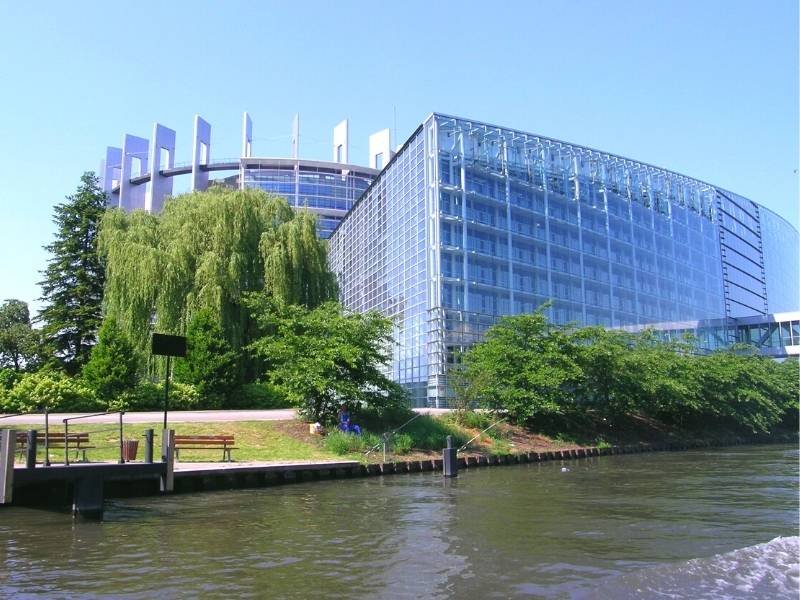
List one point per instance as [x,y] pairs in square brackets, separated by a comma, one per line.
[699,524]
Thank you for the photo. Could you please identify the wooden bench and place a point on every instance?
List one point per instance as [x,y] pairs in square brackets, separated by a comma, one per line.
[79,442]
[205,442]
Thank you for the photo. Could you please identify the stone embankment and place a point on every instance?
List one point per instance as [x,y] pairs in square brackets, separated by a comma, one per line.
[234,476]
[201,477]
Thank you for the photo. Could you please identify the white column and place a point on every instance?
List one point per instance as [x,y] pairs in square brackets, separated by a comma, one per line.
[296,137]
[110,171]
[160,186]
[201,154]
[247,136]
[134,149]
[340,143]
[380,149]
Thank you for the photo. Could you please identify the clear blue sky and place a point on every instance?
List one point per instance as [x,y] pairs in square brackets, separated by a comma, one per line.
[705,88]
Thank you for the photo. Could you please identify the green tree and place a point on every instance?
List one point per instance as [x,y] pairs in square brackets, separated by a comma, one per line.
[73,280]
[321,357]
[604,383]
[211,365]
[787,377]
[656,379]
[744,389]
[524,366]
[19,342]
[114,365]
[205,251]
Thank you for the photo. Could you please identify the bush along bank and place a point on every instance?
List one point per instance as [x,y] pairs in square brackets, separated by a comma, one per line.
[538,373]
[248,477]
[483,436]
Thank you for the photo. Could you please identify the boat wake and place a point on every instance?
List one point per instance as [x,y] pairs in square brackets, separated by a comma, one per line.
[769,570]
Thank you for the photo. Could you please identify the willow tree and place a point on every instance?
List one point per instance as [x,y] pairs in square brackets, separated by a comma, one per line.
[203,252]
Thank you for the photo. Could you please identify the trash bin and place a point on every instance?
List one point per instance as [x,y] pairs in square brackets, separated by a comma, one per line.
[129,449]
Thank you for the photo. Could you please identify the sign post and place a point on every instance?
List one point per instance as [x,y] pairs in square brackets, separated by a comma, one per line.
[169,346]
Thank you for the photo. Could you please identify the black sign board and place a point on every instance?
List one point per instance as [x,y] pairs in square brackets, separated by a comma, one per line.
[168,345]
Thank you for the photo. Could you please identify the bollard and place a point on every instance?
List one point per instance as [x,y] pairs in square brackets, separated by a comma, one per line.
[8,441]
[148,445]
[30,450]
[168,458]
[449,460]
[46,438]
[121,441]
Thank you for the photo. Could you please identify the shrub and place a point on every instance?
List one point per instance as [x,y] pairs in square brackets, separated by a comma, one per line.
[383,418]
[113,364]
[341,443]
[501,447]
[429,433]
[402,443]
[52,390]
[257,396]
[150,396]
[473,420]
[211,364]
[8,377]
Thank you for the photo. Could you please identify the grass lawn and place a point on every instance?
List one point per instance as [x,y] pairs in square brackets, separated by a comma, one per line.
[255,441]
[287,441]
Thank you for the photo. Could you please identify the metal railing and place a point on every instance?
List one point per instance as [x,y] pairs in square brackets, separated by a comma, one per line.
[66,432]
[387,435]
[46,414]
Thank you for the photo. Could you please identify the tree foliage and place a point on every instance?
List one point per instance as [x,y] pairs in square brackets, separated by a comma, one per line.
[525,366]
[322,357]
[49,389]
[205,251]
[72,289]
[530,368]
[19,342]
[114,364]
[211,365]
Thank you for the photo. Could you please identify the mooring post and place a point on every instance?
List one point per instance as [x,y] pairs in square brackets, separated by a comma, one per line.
[66,442]
[30,451]
[449,459]
[121,442]
[87,498]
[148,445]
[8,441]
[46,438]
[168,458]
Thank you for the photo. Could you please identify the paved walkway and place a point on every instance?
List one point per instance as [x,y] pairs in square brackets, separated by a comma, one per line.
[259,466]
[188,416]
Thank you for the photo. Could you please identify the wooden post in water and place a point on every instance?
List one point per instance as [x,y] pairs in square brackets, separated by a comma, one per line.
[30,450]
[168,457]
[148,445]
[87,498]
[8,441]
[449,459]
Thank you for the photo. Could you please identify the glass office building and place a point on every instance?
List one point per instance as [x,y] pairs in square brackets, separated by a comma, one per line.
[327,189]
[139,174]
[470,222]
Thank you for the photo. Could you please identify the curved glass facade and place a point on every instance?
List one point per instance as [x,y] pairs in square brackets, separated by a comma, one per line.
[327,189]
[781,262]
[512,220]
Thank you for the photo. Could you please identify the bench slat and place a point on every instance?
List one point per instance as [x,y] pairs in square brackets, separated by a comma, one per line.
[207,442]
[23,436]
[208,448]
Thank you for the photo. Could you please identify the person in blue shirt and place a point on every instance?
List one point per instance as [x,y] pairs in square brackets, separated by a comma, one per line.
[344,421]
